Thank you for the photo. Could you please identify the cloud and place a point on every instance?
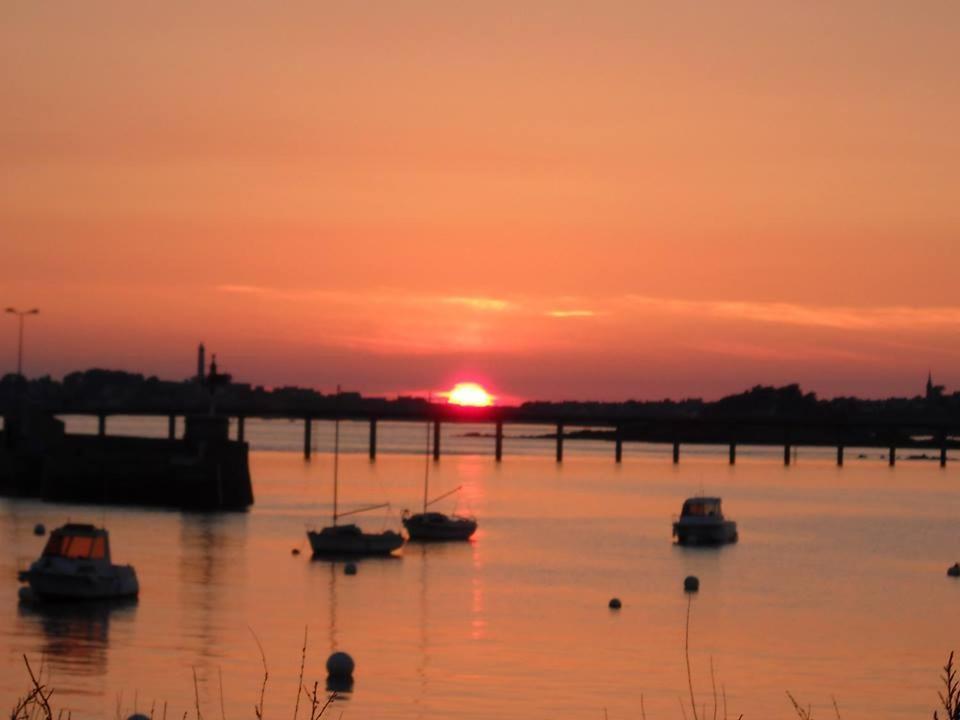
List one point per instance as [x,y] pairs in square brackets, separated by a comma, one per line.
[822,316]
[571,313]
[480,303]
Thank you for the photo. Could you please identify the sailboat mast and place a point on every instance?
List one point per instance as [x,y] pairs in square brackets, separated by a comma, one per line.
[336,453]
[426,468]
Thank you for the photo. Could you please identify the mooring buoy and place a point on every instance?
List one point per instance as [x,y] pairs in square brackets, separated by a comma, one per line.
[340,666]
[614,604]
[954,570]
[39,529]
[691,583]
[350,569]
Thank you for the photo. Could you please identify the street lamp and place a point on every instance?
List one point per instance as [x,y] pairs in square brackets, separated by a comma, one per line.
[21,314]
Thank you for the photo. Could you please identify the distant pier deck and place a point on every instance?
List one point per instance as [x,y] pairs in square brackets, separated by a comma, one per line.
[790,434]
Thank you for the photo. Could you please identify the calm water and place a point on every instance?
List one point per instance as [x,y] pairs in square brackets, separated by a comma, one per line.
[836,589]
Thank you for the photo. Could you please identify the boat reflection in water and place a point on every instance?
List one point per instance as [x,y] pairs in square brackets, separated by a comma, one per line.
[76,635]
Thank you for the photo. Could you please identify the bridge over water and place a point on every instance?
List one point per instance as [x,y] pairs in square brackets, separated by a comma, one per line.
[621,428]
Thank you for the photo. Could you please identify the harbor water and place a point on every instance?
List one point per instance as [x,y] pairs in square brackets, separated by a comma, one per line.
[836,589]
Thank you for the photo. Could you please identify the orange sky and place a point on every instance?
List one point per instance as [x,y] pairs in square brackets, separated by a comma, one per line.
[567,200]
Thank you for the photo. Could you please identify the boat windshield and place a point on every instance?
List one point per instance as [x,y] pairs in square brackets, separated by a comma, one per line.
[701,508]
[86,547]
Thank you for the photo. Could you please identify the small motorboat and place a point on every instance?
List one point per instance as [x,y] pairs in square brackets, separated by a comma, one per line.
[701,522]
[338,540]
[439,526]
[75,565]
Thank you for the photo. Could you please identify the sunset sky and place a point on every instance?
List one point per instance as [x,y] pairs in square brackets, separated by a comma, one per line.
[558,199]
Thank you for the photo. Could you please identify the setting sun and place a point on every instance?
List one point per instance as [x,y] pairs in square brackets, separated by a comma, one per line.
[469,394]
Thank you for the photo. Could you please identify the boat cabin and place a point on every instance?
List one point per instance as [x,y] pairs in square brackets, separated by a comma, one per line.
[702,507]
[78,542]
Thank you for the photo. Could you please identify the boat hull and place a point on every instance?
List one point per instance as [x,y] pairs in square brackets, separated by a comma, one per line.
[333,542]
[435,527]
[120,583]
[711,533]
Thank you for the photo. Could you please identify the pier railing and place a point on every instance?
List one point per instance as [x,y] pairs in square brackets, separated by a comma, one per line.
[788,433]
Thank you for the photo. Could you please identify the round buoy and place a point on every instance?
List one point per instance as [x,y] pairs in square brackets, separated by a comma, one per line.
[295,551]
[691,583]
[954,570]
[138,716]
[614,604]
[350,569]
[39,529]
[340,666]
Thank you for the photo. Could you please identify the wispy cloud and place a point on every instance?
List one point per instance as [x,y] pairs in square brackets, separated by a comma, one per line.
[621,309]
[823,316]
[244,289]
[480,303]
[571,313]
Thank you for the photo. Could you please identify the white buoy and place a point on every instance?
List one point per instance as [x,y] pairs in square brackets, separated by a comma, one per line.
[350,569]
[954,570]
[39,529]
[614,604]
[340,666]
[691,584]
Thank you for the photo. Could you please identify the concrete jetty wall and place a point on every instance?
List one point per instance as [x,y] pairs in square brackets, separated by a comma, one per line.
[203,471]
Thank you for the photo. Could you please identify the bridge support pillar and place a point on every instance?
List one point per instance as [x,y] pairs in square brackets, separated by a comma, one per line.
[786,454]
[892,456]
[559,442]
[102,424]
[436,439]
[733,453]
[373,438]
[676,452]
[839,455]
[307,437]
[241,430]
[498,451]
[172,427]
[618,452]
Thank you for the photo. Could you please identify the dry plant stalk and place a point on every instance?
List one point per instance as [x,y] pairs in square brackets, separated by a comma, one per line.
[950,698]
[258,709]
[303,660]
[686,653]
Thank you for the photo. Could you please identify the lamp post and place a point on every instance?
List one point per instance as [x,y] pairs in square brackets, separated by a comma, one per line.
[21,314]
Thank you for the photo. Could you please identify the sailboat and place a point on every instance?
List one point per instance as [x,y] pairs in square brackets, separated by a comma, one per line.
[428,525]
[338,540]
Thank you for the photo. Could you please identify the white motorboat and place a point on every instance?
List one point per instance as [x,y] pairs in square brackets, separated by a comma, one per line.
[75,565]
[701,522]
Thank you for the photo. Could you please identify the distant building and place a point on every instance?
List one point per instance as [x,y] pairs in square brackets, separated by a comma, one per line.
[201,363]
[934,392]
